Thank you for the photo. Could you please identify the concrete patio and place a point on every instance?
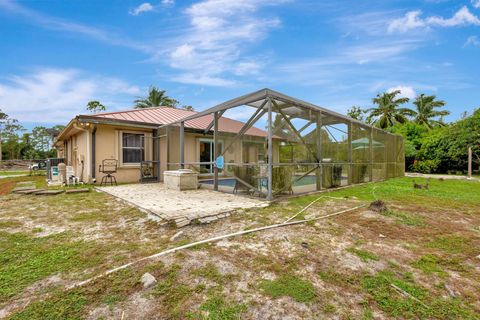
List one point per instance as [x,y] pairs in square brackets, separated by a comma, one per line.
[181,207]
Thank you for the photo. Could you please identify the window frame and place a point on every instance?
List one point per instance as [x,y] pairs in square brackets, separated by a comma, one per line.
[122,147]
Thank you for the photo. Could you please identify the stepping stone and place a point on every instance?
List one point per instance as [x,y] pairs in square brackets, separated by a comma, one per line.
[25,183]
[30,191]
[18,189]
[49,192]
[81,190]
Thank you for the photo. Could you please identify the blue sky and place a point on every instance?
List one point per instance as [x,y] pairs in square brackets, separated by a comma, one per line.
[55,56]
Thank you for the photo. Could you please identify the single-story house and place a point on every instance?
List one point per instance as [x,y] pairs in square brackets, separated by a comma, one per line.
[130,137]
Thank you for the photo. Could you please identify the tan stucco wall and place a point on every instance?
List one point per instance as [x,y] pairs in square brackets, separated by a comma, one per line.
[108,146]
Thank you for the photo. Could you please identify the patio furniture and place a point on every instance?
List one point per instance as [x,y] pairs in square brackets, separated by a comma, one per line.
[147,171]
[244,179]
[108,167]
[71,178]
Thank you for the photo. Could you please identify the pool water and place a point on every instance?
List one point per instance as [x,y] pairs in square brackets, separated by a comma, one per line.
[230,182]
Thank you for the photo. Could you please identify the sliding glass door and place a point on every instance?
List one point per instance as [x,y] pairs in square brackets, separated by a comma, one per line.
[207,155]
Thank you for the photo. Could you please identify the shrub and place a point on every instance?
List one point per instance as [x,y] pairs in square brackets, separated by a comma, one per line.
[426,166]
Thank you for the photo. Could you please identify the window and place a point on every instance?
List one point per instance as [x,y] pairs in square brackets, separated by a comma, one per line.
[133,147]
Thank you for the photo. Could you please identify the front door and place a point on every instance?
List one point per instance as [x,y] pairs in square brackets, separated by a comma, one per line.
[206,155]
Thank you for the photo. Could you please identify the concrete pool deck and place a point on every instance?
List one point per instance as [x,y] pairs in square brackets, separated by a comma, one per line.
[181,207]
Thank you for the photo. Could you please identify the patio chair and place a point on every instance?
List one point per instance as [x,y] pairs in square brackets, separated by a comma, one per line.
[243,174]
[108,167]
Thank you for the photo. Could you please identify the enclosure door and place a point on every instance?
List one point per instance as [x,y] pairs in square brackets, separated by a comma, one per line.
[206,154]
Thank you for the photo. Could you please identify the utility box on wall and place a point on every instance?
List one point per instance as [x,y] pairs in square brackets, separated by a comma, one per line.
[182,179]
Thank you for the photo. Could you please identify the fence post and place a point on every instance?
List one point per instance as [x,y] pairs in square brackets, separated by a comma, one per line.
[470,162]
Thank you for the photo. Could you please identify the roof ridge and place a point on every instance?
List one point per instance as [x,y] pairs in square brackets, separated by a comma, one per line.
[129,110]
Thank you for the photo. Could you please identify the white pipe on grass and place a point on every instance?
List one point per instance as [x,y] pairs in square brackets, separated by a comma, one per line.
[284,224]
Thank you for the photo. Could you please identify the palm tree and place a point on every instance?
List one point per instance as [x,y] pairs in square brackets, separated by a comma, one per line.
[156,98]
[426,112]
[95,106]
[388,111]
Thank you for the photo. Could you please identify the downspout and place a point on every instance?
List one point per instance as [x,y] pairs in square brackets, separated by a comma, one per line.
[94,132]
[87,156]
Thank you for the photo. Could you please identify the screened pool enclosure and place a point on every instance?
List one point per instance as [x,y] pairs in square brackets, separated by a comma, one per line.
[282,146]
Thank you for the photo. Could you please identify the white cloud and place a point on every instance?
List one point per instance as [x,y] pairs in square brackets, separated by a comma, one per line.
[476,4]
[372,53]
[472,41]
[144,7]
[377,52]
[462,17]
[190,78]
[215,44]
[412,20]
[57,95]
[244,68]
[61,25]
[405,91]
[168,3]
[147,7]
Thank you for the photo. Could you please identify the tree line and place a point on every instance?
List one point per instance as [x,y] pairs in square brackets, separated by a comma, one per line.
[16,143]
[431,144]
[155,98]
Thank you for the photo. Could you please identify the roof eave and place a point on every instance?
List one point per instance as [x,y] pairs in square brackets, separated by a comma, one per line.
[119,122]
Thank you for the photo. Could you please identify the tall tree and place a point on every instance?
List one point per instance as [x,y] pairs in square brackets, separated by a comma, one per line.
[41,139]
[388,110]
[357,113]
[156,98]
[188,107]
[426,111]
[95,106]
[8,129]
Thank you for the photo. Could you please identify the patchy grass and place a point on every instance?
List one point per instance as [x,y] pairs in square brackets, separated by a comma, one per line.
[73,304]
[288,285]
[10,223]
[6,173]
[429,240]
[8,184]
[452,244]
[59,306]
[405,218]
[434,264]
[443,193]
[218,308]
[210,272]
[25,260]
[429,264]
[417,303]
[172,293]
[364,255]
[339,279]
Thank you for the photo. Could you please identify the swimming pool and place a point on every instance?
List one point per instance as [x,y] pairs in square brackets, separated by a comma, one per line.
[230,182]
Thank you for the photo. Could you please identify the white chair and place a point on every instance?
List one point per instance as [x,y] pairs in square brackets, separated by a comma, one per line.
[71,176]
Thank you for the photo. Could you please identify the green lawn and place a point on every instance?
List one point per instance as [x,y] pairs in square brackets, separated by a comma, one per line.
[417,260]
[13,173]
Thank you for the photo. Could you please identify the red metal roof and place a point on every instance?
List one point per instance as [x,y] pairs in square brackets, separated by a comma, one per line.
[165,115]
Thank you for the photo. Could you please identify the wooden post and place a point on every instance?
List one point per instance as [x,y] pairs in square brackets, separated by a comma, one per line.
[159,168]
[270,151]
[370,148]
[350,159]
[215,150]
[470,162]
[182,145]
[318,172]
